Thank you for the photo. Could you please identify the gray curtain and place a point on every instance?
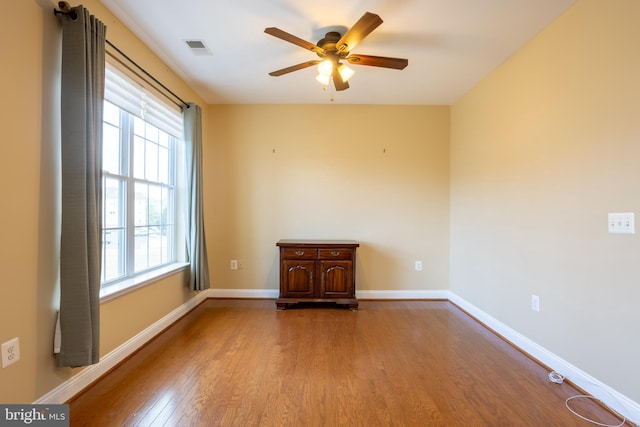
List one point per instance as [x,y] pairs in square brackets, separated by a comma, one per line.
[83,62]
[196,243]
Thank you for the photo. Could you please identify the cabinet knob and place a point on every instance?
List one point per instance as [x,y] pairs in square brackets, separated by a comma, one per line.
[299,253]
[335,253]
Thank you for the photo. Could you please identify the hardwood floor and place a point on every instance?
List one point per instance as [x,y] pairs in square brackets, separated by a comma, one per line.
[392,363]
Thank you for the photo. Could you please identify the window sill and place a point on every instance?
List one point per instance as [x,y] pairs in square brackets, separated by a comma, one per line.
[129,285]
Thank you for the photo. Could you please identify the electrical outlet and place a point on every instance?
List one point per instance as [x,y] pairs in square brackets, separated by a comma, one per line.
[233,264]
[418,265]
[535,303]
[10,352]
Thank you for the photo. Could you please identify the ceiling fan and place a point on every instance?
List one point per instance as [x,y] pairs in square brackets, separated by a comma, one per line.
[334,48]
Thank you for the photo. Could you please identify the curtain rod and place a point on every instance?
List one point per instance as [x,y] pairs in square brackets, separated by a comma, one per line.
[65,9]
[126,65]
[134,63]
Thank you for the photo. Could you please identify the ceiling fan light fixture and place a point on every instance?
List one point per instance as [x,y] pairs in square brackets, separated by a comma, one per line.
[325,68]
[345,72]
[323,79]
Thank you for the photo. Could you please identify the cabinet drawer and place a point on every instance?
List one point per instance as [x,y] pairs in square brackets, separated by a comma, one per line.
[335,253]
[300,253]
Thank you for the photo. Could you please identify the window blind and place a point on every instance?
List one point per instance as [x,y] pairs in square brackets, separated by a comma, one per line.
[126,94]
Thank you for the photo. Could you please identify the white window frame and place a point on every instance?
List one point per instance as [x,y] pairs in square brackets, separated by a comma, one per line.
[134,100]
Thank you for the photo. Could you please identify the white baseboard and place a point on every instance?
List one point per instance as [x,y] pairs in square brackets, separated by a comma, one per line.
[606,394]
[242,293]
[381,295]
[84,378]
[611,398]
[390,295]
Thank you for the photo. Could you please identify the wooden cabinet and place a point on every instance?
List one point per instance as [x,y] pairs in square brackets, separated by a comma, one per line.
[317,271]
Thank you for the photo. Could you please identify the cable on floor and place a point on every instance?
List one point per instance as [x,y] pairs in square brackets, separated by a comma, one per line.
[557,378]
[584,396]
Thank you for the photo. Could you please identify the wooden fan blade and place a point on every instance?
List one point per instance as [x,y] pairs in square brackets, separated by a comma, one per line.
[378,61]
[283,35]
[337,80]
[365,25]
[294,68]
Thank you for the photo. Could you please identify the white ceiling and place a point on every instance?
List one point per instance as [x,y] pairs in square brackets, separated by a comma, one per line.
[450,44]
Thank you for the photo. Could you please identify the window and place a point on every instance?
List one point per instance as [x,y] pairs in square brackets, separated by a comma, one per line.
[141,143]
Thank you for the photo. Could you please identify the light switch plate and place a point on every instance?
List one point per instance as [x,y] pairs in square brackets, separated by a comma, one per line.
[622,223]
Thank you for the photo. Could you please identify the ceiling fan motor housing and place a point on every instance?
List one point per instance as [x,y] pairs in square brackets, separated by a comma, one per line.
[328,46]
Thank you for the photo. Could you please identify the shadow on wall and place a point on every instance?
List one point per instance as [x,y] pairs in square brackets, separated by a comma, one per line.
[48,291]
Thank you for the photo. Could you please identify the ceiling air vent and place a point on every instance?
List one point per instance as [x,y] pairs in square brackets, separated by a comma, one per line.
[198,47]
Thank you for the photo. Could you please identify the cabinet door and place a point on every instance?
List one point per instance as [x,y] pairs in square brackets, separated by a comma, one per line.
[297,278]
[336,279]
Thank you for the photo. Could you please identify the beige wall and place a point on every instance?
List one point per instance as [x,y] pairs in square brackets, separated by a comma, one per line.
[376,174]
[29,176]
[541,151]
[395,203]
